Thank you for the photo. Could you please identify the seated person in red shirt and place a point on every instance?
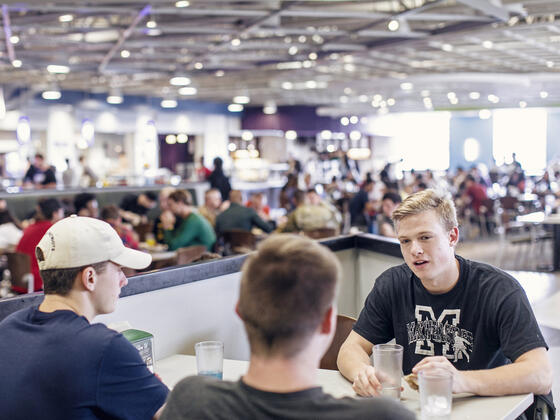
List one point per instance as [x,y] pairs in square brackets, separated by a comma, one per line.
[111,215]
[49,211]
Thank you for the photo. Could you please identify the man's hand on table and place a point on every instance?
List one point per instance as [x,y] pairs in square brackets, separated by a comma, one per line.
[460,382]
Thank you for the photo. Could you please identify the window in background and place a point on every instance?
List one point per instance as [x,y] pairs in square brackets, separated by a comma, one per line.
[523,132]
[420,139]
[471,149]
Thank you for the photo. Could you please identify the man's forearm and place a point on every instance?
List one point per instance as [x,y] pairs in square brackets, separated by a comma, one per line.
[351,360]
[515,378]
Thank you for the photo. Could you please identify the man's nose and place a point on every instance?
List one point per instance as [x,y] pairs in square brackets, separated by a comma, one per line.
[416,249]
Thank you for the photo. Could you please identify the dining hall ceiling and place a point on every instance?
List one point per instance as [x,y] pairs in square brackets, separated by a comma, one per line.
[345,57]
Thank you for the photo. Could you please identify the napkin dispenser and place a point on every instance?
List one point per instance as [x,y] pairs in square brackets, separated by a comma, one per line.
[144,343]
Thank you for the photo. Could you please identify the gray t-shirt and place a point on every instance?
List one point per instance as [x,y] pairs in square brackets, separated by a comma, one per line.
[199,397]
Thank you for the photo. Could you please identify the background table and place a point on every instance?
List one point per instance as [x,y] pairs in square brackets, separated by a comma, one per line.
[539,218]
[465,407]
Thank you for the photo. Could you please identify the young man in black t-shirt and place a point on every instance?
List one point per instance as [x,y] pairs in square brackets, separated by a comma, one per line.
[447,312]
[287,304]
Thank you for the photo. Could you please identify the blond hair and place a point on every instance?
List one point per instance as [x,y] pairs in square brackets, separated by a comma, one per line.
[427,200]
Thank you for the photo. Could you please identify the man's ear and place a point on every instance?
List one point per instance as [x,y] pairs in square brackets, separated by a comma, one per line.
[88,279]
[237,311]
[329,321]
[454,236]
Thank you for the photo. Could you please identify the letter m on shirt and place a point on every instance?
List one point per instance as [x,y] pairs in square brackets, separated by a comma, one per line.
[432,330]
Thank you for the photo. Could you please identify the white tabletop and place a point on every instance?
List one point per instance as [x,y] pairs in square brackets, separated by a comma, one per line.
[465,407]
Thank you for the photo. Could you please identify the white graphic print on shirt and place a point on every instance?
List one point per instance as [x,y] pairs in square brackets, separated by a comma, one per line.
[457,343]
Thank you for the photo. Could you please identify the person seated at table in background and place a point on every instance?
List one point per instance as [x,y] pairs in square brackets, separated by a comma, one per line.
[134,208]
[466,317]
[312,213]
[237,216]
[110,214]
[10,228]
[55,363]
[212,205]
[85,204]
[257,201]
[49,211]
[163,201]
[287,302]
[183,226]
[389,203]
[360,206]
[39,174]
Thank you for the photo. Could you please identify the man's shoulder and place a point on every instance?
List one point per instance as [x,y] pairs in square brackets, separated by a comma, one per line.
[394,276]
[489,277]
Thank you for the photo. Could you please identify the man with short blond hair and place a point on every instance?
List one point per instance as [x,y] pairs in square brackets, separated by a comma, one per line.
[466,317]
[287,303]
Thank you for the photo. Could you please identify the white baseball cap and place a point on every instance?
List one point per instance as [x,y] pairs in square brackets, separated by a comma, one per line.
[80,241]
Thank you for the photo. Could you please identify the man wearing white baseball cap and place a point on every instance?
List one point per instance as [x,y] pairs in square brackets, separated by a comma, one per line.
[55,364]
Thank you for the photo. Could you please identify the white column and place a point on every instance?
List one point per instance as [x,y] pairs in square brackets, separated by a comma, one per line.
[61,136]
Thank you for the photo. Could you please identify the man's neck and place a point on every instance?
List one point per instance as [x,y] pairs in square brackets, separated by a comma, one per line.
[445,282]
[52,303]
[281,375]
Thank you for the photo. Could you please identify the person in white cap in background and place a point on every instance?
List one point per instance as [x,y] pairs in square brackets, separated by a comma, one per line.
[55,364]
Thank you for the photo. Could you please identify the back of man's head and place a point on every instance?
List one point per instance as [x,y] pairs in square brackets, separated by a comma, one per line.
[48,207]
[81,201]
[235,196]
[287,287]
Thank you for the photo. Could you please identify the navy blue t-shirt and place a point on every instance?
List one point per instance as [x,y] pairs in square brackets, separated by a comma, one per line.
[59,366]
[485,321]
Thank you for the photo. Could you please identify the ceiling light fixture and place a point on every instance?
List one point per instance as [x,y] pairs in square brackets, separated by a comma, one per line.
[393,25]
[247,136]
[493,98]
[198,65]
[407,86]
[241,99]
[125,53]
[344,121]
[182,3]
[235,108]
[65,18]
[152,24]
[236,42]
[543,94]
[474,95]
[171,139]
[312,56]
[168,103]
[293,50]
[180,81]
[56,69]
[447,47]
[187,91]
[487,44]
[17,63]
[14,39]
[182,138]
[51,94]
[115,98]
[270,108]
[219,73]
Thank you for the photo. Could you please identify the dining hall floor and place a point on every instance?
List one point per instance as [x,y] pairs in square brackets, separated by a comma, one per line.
[542,288]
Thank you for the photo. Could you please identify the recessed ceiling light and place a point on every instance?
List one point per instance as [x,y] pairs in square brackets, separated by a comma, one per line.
[219,73]
[235,107]
[241,99]
[125,53]
[355,135]
[363,98]
[270,108]
[17,63]
[377,97]
[182,3]
[51,95]
[53,68]
[474,95]
[114,99]
[180,81]
[14,39]
[182,138]
[187,90]
[493,98]
[487,44]
[198,65]
[287,85]
[407,86]
[311,84]
[326,134]
[171,139]
[236,42]
[447,47]
[168,103]
[152,24]
[312,56]
[393,25]
[543,94]
[293,50]
[344,121]
[66,18]
[154,32]
[247,136]
[391,101]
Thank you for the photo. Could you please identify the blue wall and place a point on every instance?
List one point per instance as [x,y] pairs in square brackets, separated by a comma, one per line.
[462,128]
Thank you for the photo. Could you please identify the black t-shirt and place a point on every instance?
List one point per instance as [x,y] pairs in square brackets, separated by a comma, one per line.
[199,397]
[38,176]
[130,203]
[485,321]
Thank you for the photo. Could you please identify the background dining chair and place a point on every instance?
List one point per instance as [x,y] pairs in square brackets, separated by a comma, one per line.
[344,325]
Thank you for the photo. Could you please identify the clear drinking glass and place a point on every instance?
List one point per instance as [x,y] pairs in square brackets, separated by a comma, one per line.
[436,386]
[210,358]
[387,361]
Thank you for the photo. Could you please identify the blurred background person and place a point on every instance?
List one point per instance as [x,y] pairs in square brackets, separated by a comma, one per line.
[237,216]
[39,174]
[212,205]
[85,204]
[219,180]
[135,208]
[111,215]
[389,203]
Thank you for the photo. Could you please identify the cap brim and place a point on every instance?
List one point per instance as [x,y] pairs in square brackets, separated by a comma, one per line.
[132,258]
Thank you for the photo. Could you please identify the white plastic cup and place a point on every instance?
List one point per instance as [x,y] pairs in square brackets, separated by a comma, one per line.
[387,361]
[210,358]
[436,386]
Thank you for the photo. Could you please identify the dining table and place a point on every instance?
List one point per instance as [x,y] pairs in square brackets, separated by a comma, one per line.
[541,218]
[465,406]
